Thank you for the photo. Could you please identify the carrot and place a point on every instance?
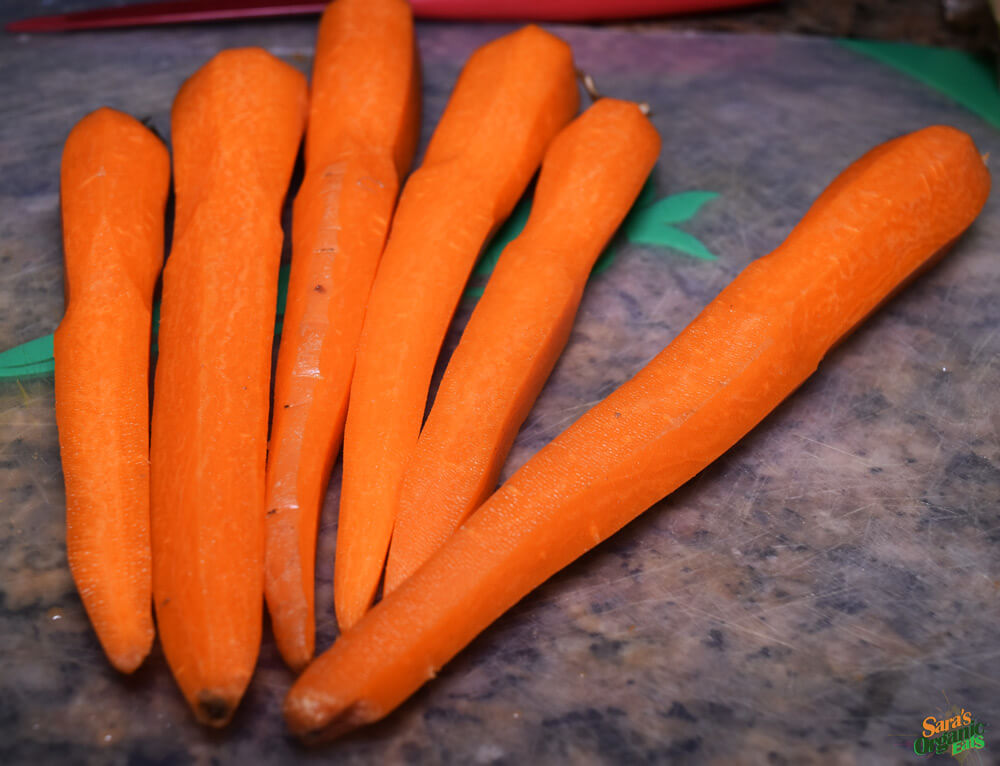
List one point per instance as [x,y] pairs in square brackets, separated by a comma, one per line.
[115,176]
[590,176]
[236,126]
[883,219]
[363,129]
[510,100]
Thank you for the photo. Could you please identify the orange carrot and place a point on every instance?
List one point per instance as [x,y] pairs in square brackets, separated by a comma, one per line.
[236,127]
[590,176]
[882,220]
[115,176]
[363,128]
[511,99]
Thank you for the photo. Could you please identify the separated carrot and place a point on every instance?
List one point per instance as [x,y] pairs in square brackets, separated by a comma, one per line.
[115,176]
[882,220]
[590,176]
[236,127]
[510,100]
[363,128]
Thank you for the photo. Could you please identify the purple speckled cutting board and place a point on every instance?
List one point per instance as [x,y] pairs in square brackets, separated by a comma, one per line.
[810,598]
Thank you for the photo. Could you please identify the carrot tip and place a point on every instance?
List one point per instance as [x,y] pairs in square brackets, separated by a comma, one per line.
[349,614]
[351,717]
[297,659]
[130,662]
[213,709]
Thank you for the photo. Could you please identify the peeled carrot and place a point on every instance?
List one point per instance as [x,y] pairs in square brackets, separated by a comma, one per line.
[363,129]
[115,176]
[510,100]
[236,126]
[877,224]
[590,177]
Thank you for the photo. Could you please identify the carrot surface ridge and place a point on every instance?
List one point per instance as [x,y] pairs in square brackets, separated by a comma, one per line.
[114,180]
[236,126]
[592,173]
[877,224]
[512,97]
[363,128]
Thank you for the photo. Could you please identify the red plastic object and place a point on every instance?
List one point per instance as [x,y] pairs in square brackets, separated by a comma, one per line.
[189,11]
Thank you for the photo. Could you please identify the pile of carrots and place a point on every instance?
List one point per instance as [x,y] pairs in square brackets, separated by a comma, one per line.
[202,519]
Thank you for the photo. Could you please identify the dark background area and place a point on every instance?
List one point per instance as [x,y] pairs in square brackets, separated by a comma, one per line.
[965,24]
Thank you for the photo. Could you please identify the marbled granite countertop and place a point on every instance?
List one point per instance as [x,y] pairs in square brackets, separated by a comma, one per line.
[809,598]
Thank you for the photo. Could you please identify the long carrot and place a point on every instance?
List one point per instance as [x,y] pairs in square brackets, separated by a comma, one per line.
[236,126]
[883,219]
[115,176]
[590,176]
[510,100]
[363,128]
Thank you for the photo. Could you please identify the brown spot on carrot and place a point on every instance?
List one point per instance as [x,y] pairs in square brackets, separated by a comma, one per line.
[319,289]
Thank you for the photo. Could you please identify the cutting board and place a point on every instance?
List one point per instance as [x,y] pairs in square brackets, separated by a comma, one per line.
[811,597]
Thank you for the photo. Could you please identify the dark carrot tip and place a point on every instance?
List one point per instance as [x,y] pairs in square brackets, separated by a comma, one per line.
[213,709]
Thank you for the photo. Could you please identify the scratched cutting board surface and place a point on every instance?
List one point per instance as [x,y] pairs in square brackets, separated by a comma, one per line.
[811,597]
